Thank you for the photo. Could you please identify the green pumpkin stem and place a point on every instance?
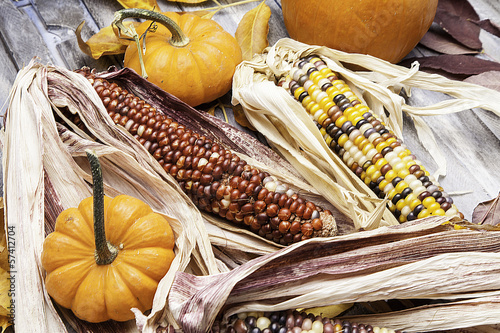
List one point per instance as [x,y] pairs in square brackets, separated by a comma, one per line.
[178,39]
[105,252]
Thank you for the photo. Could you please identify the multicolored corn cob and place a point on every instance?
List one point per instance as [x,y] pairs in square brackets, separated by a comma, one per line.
[214,178]
[292,322]
[365,144]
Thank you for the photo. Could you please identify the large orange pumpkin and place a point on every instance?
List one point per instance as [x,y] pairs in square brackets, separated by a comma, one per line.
[101,263]
[197,66]
[387,29]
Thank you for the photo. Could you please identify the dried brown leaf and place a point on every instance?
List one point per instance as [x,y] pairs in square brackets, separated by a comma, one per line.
[105,42]
[460,28]
[487,212]
[489,26]
[489,79]
[440,41]
[460,8]
[252,31]
[455,64]
[143,4]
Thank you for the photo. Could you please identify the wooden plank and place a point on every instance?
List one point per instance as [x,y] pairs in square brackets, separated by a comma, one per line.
[23,44]
[7,76]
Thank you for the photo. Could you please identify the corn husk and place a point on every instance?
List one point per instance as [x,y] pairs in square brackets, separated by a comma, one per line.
[289,129]
[427,259]
[46,172]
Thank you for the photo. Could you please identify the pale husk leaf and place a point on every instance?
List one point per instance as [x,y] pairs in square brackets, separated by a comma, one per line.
[425,259]
[480,311]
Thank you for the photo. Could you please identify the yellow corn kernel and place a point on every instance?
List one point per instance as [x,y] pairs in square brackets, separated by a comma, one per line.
[340,121]
[298,91]
[403,173]
[391,140]
[376,175]
[401,186]
[325,71]
[307,100]
[322,118]
[381,146]
[433,207]
[390,175]
[315,76]
[343,139]
[345,89]
[400,204]
[328,104]
[383,184]
[423,213]
[439,212]
[414,204]
[380,163]
[357,141]
[428,201]
[314,108]
[369,146]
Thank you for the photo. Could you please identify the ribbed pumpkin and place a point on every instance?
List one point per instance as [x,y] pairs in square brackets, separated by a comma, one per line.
[387,29]
[195,63]
[101,278]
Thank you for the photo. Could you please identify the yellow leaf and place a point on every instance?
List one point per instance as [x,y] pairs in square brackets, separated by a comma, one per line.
[239,116]
[105,42]
[188,1]
[252,31]
[143,4]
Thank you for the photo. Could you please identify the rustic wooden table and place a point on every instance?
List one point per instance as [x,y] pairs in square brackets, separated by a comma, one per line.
[470,140]
[45,29]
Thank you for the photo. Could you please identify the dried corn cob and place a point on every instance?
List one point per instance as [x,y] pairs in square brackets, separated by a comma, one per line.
[294,322]
[362,141]
[214,178]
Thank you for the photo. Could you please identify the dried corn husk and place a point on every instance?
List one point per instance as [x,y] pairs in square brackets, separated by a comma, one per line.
[46,171]
[429,259]
[288,128]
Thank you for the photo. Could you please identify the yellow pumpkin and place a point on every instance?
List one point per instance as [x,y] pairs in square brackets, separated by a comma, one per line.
[101,278]
[387,29]
[194,58]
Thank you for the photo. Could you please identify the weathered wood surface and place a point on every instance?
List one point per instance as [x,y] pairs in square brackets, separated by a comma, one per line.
[470,140]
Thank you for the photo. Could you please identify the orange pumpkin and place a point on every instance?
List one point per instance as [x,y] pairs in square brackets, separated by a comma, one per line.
[194,61]
[101,278]
[387,29]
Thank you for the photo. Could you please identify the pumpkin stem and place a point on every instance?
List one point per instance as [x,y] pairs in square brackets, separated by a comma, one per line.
[179,39]
[105,252]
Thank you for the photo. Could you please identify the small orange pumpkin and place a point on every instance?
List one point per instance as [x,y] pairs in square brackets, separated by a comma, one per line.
[387,29]
[98,278]
[188,56]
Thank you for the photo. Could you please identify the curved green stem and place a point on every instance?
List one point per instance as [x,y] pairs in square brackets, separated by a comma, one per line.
[105,252]
[179,39]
